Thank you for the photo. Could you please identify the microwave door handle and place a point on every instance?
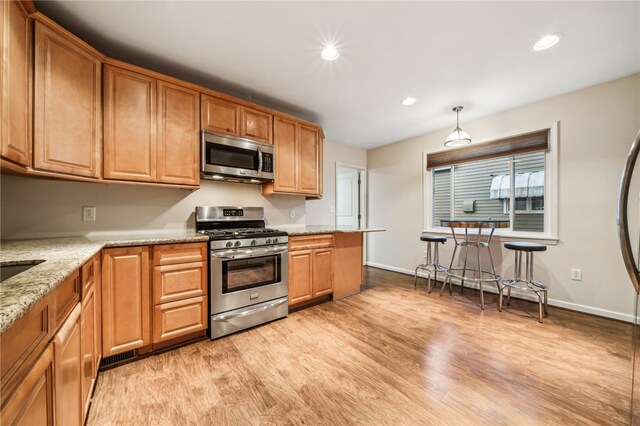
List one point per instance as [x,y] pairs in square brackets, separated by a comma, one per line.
[259,160]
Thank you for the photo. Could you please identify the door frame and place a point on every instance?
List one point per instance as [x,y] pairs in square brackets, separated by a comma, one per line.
[363,191]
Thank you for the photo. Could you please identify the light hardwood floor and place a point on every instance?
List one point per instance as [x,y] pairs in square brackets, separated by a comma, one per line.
[389,355]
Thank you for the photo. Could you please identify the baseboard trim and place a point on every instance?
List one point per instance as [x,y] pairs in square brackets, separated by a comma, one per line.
[524,295]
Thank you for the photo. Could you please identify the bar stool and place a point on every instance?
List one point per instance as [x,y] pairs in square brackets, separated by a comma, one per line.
[529,284]
[431,265]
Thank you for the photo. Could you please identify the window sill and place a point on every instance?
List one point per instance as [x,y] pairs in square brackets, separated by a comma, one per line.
[502,235]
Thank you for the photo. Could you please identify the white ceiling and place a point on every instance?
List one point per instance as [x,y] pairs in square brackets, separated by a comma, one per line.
[475,54]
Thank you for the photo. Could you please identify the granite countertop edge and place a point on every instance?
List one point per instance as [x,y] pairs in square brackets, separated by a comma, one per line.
[320,229]
[61,257]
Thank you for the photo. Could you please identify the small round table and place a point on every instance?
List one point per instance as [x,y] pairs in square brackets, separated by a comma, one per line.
[482,275]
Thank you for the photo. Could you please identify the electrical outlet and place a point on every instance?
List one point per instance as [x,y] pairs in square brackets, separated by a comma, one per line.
[332,209]
[576,274]
[89,214]
[292,214]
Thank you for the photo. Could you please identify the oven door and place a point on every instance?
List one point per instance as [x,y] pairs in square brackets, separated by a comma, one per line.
[236,157]
[245,277]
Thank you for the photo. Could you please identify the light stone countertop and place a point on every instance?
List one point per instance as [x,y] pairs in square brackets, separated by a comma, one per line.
[60,258]
[323,229]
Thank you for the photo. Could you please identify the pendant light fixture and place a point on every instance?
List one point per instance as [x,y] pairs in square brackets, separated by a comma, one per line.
[458,136]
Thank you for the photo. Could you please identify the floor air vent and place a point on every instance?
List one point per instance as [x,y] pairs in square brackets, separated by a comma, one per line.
[113,360]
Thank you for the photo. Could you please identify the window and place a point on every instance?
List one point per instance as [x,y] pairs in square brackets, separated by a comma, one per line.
[479,185]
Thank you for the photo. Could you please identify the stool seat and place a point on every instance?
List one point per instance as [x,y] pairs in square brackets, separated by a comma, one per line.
[433,238]
[525,246]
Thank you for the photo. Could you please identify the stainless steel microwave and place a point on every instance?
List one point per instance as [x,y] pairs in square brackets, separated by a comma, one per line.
[236,159]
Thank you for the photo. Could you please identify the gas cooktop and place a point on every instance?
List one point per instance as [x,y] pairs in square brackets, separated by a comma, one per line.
[236,233]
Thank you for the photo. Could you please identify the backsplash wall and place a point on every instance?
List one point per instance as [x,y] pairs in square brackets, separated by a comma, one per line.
[37,208]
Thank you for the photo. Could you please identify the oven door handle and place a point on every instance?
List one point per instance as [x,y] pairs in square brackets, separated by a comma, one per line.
[251,311]
[249,253]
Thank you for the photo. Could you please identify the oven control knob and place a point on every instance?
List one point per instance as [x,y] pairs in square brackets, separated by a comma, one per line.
[275,241]
[229,244]
[268,241]
[254,242]
[238,244]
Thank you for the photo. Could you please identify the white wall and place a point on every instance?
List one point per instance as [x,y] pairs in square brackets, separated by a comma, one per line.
[33,208]
[318,212]
[597,126]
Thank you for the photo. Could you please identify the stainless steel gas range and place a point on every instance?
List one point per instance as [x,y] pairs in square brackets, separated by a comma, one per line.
[248,268]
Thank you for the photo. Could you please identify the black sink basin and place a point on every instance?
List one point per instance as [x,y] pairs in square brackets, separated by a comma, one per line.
[8,271]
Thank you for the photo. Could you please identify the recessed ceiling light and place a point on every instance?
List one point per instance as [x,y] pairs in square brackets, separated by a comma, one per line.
[330,53]
[409,101]
[547,41]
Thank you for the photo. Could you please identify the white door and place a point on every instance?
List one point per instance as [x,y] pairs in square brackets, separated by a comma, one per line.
[348,197]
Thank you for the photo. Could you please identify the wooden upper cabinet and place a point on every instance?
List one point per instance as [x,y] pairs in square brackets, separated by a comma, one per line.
[298,159]
[256,125]
[15,104]
[178,145]
[309,168]
[129,125]
[220,116]
[286,154]
[126,304]
[67,103]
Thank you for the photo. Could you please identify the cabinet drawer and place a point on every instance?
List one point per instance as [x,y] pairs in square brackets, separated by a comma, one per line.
[89,273]
[66,296]
[26,337]
[308,242]
[175,319]
[181,281]
[168,254]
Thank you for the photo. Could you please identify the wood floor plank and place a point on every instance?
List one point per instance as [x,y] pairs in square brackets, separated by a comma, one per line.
[393,354]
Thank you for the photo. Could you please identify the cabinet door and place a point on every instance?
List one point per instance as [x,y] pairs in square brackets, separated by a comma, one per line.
[256,125]
[15,106]
[67,105]
[286,162]
[322,272]
[179,318]
[129,125]
[178,126]
[32,402]
[220,116]
[308,169]
[68,378]
[300,276]
[126,308]
[89,341]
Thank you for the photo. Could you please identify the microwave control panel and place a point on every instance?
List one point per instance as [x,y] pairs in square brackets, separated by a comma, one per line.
[267,163]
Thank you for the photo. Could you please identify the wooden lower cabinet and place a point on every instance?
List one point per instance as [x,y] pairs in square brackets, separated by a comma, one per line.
[89,367]
[179,291]
[300,276]
[311,270]
[32,402]
[126,313]
[67,369]
[322,271]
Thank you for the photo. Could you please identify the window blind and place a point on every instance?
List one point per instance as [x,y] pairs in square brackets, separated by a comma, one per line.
[513,145]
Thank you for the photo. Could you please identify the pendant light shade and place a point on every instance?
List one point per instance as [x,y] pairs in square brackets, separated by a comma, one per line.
[458,136]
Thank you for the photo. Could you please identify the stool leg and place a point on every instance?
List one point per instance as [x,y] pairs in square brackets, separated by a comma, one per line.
[464,268]
[539,306]
[435,270]
[546,300]
[415,276]
[480,272]
[428,262]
